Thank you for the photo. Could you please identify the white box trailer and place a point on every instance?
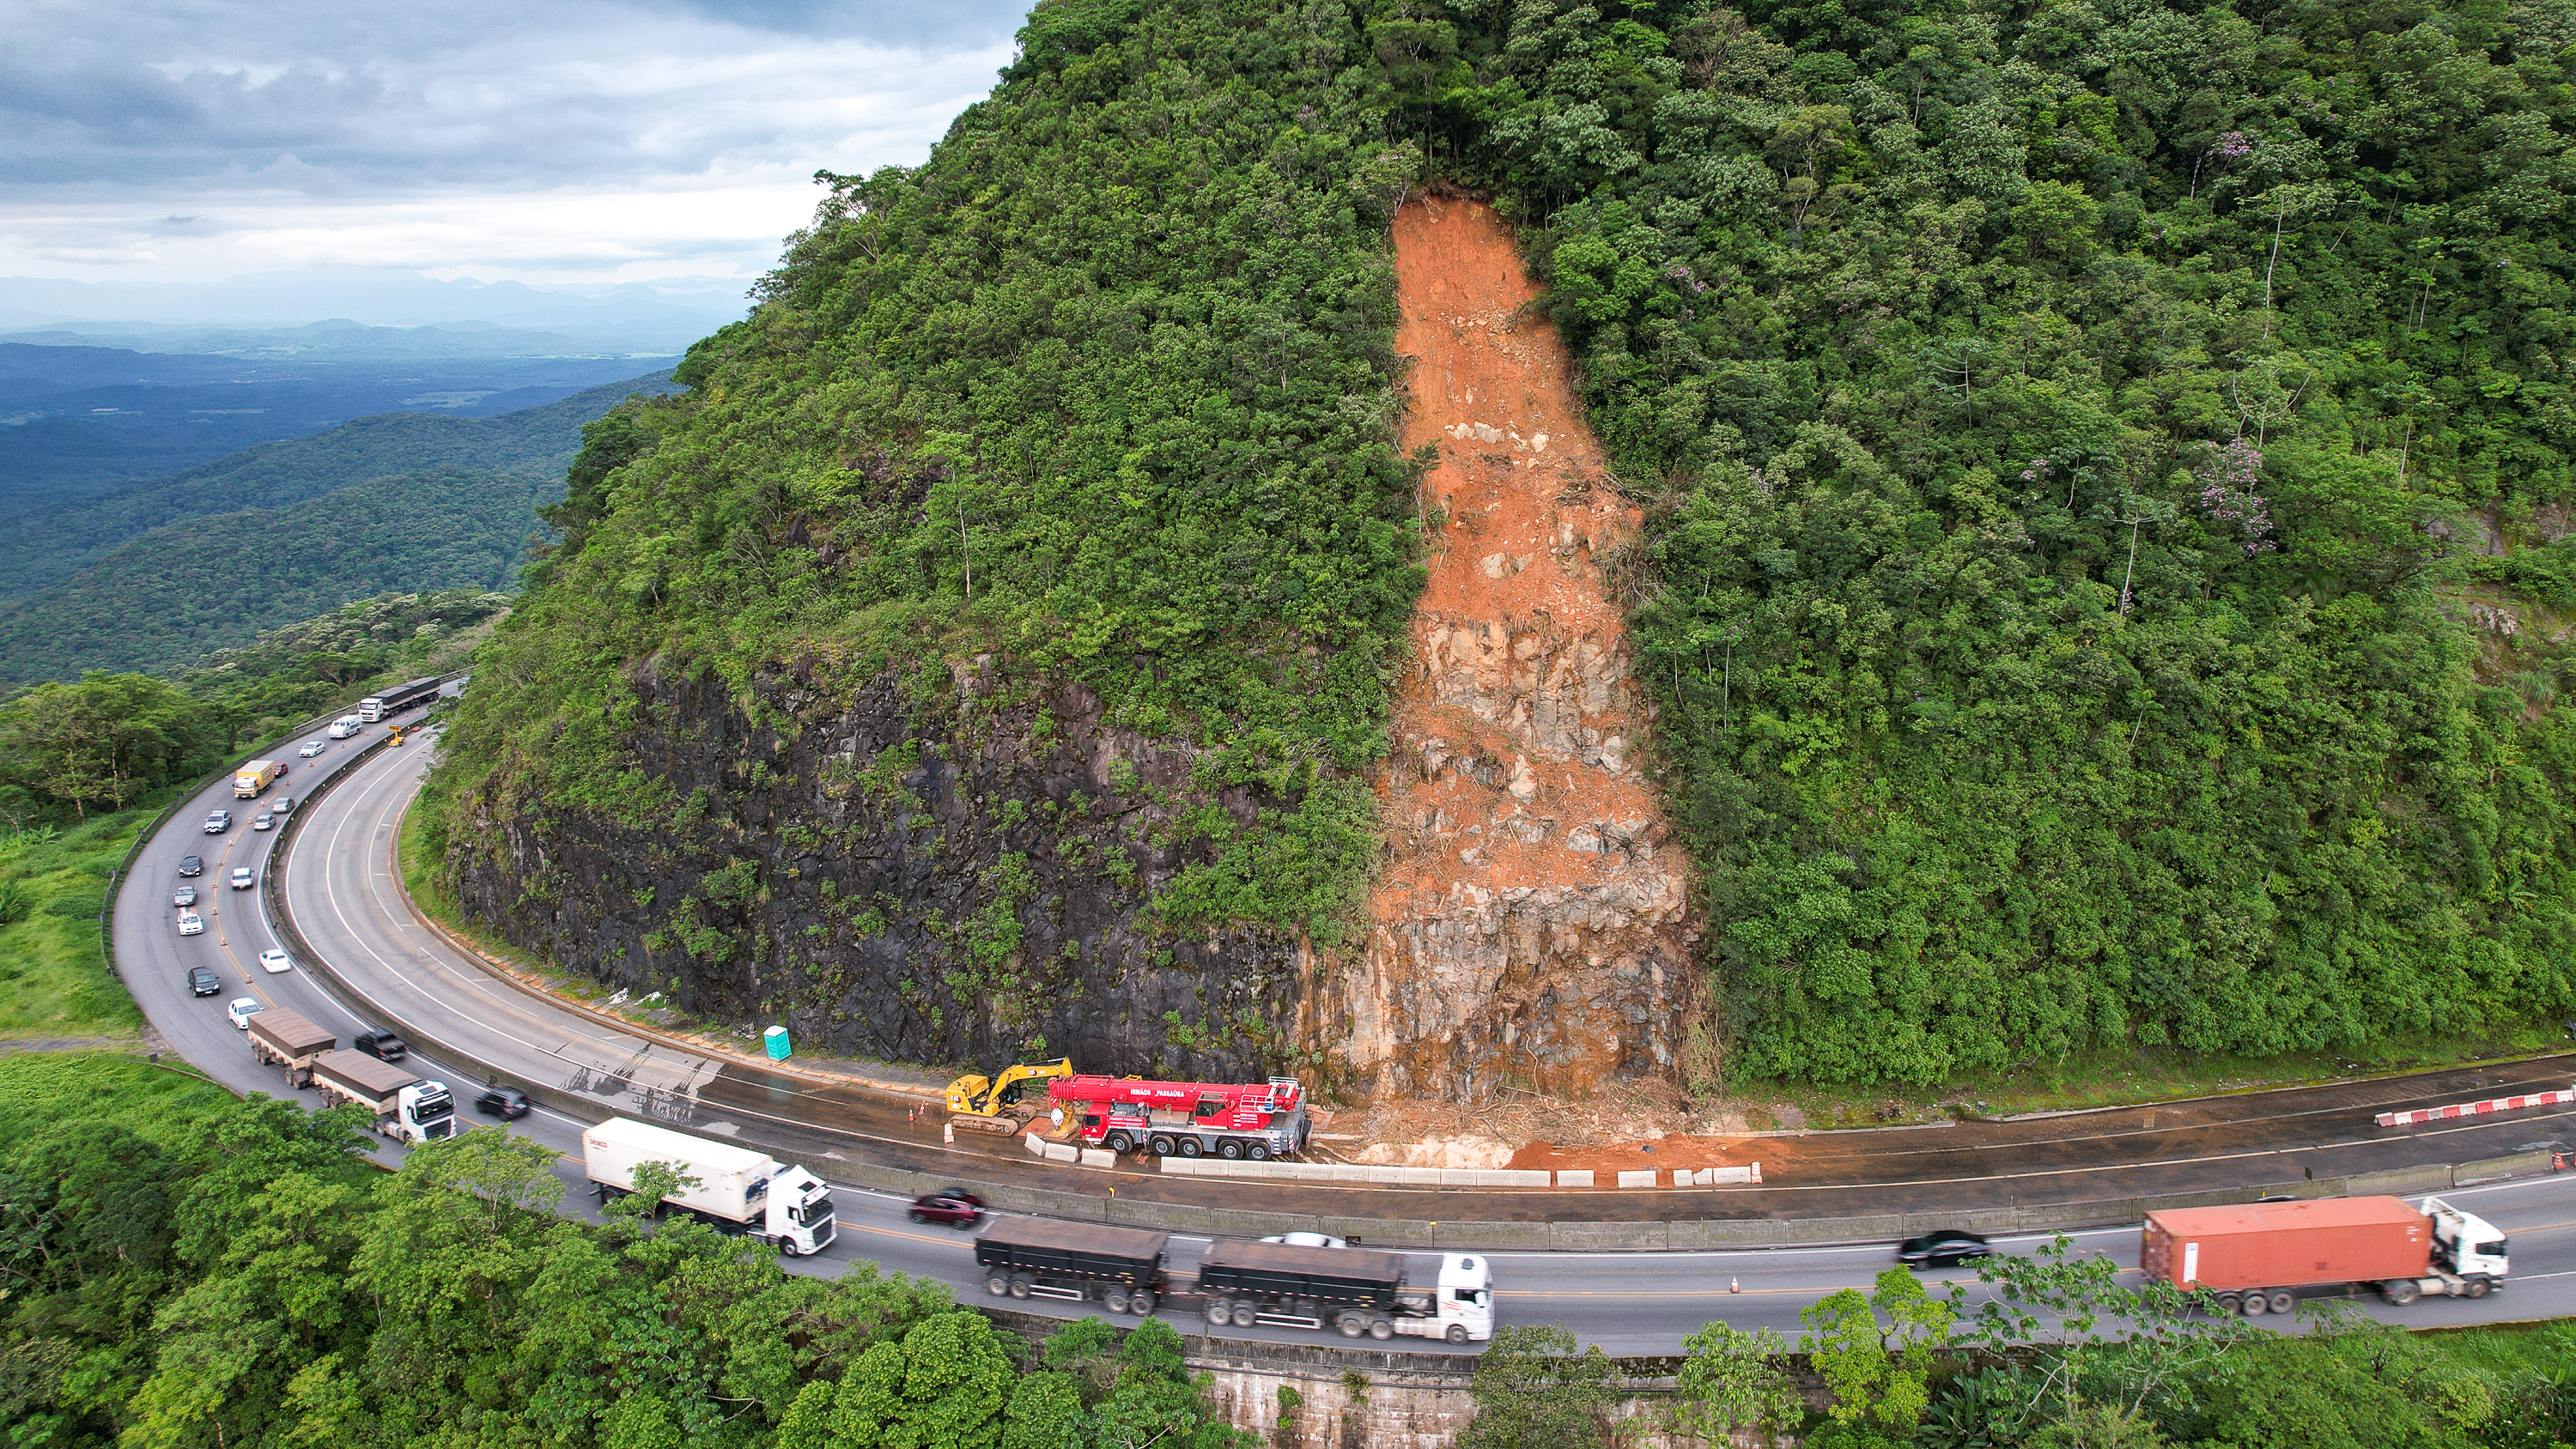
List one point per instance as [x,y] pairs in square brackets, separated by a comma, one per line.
[737,1189]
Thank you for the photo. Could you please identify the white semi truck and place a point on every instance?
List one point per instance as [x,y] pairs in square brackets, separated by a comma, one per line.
[407,1107]
[736,1189]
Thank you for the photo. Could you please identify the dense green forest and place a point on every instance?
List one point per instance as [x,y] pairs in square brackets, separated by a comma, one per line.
[2103,467]
[74,535]
[2076,439]
[1106,387]
[216,582]
[181,1270]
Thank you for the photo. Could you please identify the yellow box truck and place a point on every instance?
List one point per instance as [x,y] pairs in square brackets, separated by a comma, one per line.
[256,776]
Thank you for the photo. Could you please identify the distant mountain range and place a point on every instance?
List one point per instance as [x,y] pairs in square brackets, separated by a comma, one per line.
[152,576]
[81,420]
[680,308]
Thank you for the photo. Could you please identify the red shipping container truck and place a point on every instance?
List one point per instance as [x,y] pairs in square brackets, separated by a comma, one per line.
[2258,1256]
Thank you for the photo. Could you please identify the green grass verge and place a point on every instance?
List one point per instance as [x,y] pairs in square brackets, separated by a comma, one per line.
[169,1105]
[54,980]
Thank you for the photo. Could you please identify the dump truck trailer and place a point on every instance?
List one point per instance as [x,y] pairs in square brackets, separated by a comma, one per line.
[283,1039]
[408,1107]
[736,1189]
[1351,1290]
[2260,1257]
[1122,1269]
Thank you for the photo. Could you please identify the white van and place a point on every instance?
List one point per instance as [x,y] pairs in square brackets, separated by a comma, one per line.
[346,725]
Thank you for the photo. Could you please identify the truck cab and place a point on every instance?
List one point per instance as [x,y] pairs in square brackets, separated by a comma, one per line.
[800,1211]
[424,1112]
[2466,1246]
[1464,1312]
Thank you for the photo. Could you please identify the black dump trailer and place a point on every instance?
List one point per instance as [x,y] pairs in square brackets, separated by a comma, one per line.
[1118,1268]
[1355,1290]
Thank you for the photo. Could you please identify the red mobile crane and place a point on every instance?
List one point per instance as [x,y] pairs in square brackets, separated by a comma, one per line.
[1188,1119]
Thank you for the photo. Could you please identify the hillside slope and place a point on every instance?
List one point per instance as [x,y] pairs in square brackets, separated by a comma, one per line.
[39,552]
[2100,474]
[219,582]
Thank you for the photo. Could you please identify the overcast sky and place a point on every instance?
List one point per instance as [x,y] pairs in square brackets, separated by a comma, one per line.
[546,141]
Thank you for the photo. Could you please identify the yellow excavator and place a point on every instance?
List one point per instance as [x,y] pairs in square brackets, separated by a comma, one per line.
[395,734]
[982,1104]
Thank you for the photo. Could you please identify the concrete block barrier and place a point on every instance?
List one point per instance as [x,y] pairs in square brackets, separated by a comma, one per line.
[1612,1237]
[1062,1152]
[2432,1178]
[1574,1177]
[1637,1179]
[1098,1157]
[2497,1169]
[1035,1144]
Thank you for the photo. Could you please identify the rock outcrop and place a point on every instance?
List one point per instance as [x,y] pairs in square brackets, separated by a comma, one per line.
[958,879]
[1532,924]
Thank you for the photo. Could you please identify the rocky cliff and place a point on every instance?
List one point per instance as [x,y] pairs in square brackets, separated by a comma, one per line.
[1531,923]
[957,874]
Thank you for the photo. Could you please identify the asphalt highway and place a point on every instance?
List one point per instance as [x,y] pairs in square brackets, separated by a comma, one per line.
[341,893]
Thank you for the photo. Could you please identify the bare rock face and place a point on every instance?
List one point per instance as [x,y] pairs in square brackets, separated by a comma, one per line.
[1533,924]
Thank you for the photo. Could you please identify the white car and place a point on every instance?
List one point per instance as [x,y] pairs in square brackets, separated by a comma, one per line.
[262,821]
[273,961]
[241,1009]
[1308,1240]
[313,747]
[241,878]
[191,924]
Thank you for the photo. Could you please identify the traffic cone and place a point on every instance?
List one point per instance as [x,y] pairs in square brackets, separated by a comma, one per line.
[1734,1285]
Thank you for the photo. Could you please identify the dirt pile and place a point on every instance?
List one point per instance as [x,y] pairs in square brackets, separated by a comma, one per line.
[1531,928]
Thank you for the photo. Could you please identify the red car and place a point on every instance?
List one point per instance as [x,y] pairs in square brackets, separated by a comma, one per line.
[954,1206]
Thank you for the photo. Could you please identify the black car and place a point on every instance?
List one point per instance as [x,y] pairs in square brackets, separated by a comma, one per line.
[502,1102]
[192,865]
[384,1046]
[203,981]
[954,1206]
[1943,1249]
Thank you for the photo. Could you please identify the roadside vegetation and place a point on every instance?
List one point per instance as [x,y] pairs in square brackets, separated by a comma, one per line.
[2065,1355]
[183,1269]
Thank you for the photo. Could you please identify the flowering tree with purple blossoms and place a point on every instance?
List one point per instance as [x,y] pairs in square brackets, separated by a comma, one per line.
[2227,493]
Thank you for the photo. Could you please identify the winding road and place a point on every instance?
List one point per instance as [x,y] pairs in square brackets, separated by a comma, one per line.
[341,895]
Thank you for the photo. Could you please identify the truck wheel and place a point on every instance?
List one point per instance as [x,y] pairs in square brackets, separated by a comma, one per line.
[1244,1313]
[1191,1147]
[2283,1301]
[2256,1305]
[2230,1304]
[1230,1150]
[1350,1325]
[996,1284]
[1119,1144]
[1457,1333]
[1381,1329]
[1115,1300]
[2478,1287]
[1020,1285]
[1218,1311]
[786,1247]
[1141,1302]
[1161,1145]
[2401,1291]
[1260,1153]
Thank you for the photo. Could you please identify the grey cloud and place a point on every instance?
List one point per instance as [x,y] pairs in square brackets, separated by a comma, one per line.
[322,96]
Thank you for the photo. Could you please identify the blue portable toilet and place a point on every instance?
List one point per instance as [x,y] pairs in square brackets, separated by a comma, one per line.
[776,1038]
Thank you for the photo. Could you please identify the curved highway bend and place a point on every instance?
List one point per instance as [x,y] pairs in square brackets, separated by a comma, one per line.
[342,897]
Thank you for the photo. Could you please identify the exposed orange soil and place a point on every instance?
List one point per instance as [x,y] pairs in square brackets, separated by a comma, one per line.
[1528,506]
[1529,924]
